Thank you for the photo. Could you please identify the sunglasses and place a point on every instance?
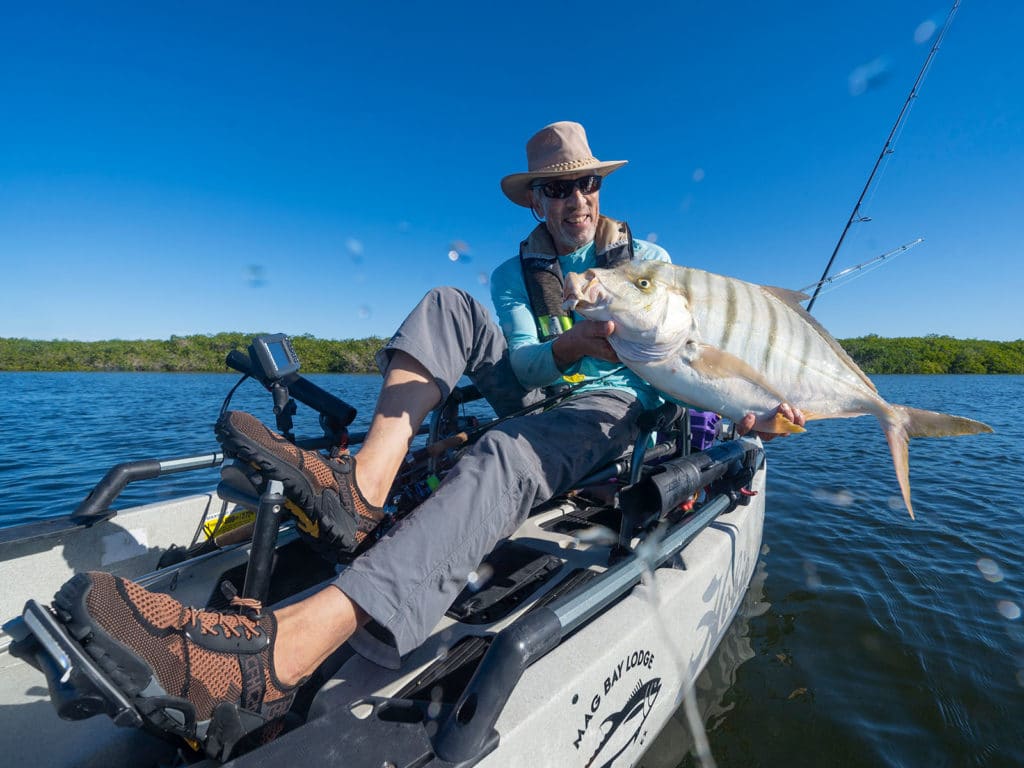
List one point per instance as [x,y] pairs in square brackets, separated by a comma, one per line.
[562,188]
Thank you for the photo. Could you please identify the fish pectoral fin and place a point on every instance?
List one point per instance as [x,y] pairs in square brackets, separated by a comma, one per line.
[716,363]
[778,425]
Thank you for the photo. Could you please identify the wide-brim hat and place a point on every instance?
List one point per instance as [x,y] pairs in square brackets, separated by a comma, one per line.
[559,149]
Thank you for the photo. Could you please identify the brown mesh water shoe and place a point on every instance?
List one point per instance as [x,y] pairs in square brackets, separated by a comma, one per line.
[207,677]
[332,514]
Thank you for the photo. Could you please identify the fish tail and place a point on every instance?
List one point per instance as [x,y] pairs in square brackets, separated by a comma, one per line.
[898,437]
[902,423]
[934,424]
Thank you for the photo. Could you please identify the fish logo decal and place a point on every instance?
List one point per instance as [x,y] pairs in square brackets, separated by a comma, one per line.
[623,728]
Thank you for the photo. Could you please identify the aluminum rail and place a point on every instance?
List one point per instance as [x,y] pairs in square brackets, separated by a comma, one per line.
[573,612]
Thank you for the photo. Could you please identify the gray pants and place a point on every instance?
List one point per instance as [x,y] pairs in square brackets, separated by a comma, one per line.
[410,577]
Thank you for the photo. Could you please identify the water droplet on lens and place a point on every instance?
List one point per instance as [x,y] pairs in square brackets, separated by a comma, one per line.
[872,642]
[867,76]
[652,237]
[1009,609]
[485,572]
[924,31]
[840,497]
[459,250]
[698,174]
[363,312]
[812,579]
[477,580]
[255,275]
[598,535]
[482,278]
[990,570]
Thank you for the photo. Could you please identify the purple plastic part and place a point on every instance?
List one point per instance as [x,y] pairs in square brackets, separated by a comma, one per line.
[702,429]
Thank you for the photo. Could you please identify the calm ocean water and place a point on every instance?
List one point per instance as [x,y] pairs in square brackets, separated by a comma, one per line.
[867,639]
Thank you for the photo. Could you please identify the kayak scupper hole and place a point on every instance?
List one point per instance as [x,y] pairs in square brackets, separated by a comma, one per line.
[467,710]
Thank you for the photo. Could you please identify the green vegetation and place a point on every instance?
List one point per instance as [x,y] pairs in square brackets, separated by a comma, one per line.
[935,354]
[179,354]
[929,354]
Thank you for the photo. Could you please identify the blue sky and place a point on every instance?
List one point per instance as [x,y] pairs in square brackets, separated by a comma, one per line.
[192,167]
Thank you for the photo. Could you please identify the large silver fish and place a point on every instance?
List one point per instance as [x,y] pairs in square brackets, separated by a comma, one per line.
[724,345]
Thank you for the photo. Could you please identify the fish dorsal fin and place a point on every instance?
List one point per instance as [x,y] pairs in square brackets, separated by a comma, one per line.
[792,300]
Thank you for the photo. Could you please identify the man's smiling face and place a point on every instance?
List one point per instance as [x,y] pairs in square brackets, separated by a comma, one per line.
[572,221]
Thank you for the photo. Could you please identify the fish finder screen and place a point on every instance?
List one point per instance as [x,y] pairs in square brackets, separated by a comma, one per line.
[280,358]
[274,355]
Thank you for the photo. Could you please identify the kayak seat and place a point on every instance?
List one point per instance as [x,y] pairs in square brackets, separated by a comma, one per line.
[240,484]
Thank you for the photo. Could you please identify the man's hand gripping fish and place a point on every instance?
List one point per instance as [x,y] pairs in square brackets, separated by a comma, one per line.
[732,347]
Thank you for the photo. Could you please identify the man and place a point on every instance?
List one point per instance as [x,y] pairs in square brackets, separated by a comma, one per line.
[211,675]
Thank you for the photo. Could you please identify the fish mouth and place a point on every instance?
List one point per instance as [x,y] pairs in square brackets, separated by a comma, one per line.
[583,292]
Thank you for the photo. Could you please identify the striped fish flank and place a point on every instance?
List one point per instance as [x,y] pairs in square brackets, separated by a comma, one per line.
[733,347]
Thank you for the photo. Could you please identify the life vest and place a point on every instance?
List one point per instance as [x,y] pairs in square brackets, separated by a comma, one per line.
[613,243]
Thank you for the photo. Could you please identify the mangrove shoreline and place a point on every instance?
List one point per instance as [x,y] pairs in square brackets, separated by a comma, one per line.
[206,353]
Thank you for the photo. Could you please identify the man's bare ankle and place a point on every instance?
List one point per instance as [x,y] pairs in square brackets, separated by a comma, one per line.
[372,491]
[309,631]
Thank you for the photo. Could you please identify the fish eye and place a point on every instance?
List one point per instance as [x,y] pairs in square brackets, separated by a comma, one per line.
[643,283]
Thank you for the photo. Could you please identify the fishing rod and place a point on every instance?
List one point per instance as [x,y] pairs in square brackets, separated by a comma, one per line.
[886,150]
[863,265]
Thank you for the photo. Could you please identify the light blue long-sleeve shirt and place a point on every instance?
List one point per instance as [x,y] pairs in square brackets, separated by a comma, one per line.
[532,360]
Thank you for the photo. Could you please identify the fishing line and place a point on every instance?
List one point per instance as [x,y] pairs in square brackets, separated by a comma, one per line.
[826,291]
[859,270]
[886,149]
[701,745]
